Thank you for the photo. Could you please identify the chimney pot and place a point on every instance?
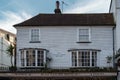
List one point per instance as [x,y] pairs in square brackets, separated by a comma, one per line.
[57,10]
[57,4]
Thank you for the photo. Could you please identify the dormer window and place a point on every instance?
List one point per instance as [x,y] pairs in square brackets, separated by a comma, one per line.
[35,35]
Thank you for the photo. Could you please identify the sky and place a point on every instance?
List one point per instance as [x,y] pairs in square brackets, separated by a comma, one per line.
[16,11]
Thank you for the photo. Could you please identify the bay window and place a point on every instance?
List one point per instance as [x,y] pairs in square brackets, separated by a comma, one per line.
[33,57]
[84,58]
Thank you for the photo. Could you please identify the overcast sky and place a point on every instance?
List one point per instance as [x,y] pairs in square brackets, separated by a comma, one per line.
[16,11]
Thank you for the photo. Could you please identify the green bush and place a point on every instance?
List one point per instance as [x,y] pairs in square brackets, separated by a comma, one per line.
[12,68]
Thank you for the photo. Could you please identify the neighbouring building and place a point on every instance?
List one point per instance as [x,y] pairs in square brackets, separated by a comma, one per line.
[115,9]
[6,38]
[64,41]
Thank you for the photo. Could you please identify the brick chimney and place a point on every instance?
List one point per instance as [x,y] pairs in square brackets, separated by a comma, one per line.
[57,10]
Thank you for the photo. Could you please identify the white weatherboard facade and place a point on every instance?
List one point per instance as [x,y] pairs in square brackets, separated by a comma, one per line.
[60,39]
[115,9]
[61,44]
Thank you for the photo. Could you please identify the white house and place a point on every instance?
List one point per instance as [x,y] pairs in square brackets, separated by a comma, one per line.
[115,9]
[66,40]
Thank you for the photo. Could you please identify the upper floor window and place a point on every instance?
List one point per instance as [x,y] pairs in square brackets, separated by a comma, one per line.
[84,35]
[35,35]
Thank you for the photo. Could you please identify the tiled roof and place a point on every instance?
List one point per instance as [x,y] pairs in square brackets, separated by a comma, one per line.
[101,19]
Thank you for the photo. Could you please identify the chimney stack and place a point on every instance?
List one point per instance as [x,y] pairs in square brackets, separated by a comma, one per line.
[57,10]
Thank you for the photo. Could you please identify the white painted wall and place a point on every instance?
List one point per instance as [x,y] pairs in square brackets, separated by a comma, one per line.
[4,58]
[58,40]
[118,29]
[115,9]
[118,77]
[118,3]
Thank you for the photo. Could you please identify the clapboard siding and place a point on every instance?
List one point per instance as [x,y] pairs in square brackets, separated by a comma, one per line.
[118,29]
[58,40]
[118,3]
[115,9]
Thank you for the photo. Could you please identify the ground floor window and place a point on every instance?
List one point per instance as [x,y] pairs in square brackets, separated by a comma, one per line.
[32,57]
[84,58]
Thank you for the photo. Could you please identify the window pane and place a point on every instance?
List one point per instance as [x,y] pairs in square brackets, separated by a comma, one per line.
[80,58]
[35,35]
[85,58]
[83,34]
[83,31]
[74,59]
[22,58]
[30,57]
[40,59]
[94,58]
[84,38]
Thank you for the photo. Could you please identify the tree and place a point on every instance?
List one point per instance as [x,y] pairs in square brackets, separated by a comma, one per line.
[10,52]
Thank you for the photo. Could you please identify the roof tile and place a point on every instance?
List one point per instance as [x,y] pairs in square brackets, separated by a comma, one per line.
[69,20]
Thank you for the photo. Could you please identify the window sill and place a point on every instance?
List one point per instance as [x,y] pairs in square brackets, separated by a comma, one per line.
[35,42]
[84,42]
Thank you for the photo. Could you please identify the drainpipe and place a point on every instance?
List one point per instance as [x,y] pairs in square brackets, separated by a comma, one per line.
[113,47]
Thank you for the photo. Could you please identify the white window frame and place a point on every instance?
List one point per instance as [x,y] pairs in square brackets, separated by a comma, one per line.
[35,60]
[89,29]
[90,53]
[30,38]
